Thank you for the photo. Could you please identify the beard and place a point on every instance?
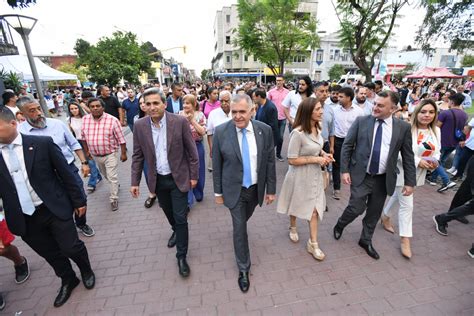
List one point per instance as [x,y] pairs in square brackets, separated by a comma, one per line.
[40,122]
[361,100]
[335,99]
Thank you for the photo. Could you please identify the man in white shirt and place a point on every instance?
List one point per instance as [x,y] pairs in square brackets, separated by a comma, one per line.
[344,115]
[294,98]
[218,116]
[361,100]
[9,100]
[467,103]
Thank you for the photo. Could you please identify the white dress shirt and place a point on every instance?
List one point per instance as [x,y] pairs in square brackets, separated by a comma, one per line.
[252,149]
[385,147]
[18,148]
[216,118]
[160,142]
[292,102]
[343,119]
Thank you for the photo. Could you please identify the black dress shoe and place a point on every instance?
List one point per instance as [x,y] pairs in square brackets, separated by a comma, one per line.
[370,250]
[244,281]
[150,201]
[183,266]
[172,240]
[65,291]
[337,232]
[88,279]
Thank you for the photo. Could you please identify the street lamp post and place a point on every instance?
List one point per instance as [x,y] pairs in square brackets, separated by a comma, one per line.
[24,25]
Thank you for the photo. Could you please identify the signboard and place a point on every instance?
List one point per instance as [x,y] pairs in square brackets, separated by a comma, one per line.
[175,69]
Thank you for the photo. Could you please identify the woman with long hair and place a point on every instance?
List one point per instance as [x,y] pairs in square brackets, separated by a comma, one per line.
[426,139]
[302,193]
[197,123]
[76,113]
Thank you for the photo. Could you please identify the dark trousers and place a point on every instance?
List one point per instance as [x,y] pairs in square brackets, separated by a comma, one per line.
[241,213]
[370,197]
[56,240]
[466,154]
[198,191]
[281,130]
[80,221]
[336,165]
[463,201]
[174,203]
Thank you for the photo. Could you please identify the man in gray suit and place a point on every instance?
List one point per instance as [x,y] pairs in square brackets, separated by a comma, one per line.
[244,174]
[164,142]
[369,164]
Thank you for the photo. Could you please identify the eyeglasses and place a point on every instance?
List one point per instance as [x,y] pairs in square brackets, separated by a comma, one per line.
[225,101]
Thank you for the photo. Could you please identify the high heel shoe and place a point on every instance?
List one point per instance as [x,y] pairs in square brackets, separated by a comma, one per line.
[387,224]
[313,249]
[405,247]
[294,234]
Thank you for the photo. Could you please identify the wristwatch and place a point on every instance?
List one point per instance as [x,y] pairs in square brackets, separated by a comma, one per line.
[85,162]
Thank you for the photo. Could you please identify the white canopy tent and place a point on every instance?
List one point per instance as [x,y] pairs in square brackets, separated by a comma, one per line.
[19,65]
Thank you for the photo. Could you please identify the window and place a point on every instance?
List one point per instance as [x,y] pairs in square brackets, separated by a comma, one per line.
[227,18]
[227,39]
[246,58]
[228,58]
[319,55]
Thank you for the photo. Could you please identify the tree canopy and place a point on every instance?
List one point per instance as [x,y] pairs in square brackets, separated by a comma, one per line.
[69,68]
[336,71]
[113,58]
[450,20]
[366,26]
[274,32]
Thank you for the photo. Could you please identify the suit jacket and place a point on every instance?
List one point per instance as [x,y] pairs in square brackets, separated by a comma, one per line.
[182,152]
[269,116]
[49,175]
[169,104]
[227,162]
[355,153]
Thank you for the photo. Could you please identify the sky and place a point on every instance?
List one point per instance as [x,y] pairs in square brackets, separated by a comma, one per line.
[164,23]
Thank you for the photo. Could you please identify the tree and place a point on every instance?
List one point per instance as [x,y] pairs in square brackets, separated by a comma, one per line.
[69,68]
[205,73]
[450,20]
[113,58]
[467,61]
[336,71]
[409,68]
[366,26]
[274,32]
[11,80]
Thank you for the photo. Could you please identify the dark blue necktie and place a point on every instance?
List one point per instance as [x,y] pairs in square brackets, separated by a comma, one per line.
[376,148]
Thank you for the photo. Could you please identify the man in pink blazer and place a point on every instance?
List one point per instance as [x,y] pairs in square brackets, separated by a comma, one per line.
[164,142]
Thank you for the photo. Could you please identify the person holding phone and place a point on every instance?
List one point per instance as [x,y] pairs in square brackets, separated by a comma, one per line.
[426,142]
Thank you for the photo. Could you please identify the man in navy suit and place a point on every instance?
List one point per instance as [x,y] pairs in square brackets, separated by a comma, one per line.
[40,194]
[266,112]
[174,103]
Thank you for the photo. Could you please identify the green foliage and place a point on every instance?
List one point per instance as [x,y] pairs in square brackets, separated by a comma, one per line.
[467,61]
[205,73]
[450,20]
[336,71]
[366,26]
[113,58]
[274,32]
[69,68]
[20,3]
[11,80]
[409,68]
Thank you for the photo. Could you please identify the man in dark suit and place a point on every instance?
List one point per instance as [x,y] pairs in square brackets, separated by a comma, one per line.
[164,142]
[369,164]
[244,174]
[39,202]
[266,112]
[174,103]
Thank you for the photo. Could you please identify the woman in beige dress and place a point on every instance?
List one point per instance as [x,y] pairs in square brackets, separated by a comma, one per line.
[302,193]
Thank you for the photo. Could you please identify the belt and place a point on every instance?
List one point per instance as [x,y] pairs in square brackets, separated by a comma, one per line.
[165,176]
[102,155]
[375,175]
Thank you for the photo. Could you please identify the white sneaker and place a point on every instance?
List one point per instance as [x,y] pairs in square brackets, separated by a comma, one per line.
[450,170]
[454,172]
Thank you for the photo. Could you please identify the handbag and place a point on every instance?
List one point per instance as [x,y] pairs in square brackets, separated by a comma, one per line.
[458,133]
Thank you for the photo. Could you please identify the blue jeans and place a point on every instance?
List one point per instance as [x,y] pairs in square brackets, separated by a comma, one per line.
[457,157]
[95,174]
[198,191]
[445,152]
[440,172]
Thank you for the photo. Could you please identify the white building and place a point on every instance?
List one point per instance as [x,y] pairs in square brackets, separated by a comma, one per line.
[230,59]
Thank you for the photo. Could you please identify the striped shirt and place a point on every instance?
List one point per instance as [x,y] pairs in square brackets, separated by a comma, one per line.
[103,136]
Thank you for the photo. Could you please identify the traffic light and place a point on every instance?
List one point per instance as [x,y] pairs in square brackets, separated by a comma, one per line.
[184,49]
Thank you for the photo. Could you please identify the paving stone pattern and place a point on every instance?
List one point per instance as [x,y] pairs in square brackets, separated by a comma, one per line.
[137,274]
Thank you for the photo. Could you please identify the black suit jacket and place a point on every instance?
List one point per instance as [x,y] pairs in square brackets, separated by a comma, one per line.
[169,104]
[269,116]
[49,175]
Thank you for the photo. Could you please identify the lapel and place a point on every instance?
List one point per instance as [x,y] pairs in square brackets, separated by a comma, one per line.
[148,136]
[29,150]
[234,140]
[395,133]
[260,142]
[370,131]
[4,171]
[169,132]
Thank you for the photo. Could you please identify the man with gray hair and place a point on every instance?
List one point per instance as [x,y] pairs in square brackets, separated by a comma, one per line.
[218,116]
[163,141]
[38,125]
[243,157]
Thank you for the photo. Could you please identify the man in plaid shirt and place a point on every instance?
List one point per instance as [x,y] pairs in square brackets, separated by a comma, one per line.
[102,136]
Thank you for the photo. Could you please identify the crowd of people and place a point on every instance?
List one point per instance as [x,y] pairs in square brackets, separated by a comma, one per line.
[381,140]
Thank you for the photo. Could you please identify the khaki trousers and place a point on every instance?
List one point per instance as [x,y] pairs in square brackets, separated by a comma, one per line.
[108,167]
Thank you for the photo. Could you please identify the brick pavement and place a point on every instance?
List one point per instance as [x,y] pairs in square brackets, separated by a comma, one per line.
[137,273]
